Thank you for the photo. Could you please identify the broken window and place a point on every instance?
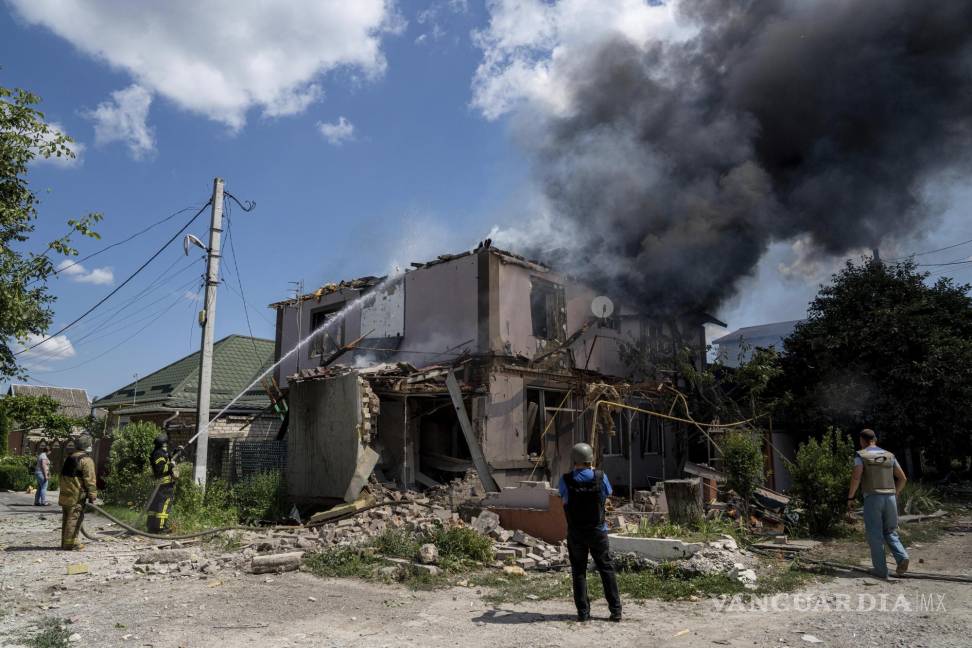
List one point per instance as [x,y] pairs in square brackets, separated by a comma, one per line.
[547,310]
[651,434]
[331,336]
[550,411]
[611,440]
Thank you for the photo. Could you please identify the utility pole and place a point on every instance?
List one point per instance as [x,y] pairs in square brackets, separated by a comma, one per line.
[208,322]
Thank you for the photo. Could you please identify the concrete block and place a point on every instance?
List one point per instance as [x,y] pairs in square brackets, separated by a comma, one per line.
[526,563]
[431,570]
[657,549]
[504,555]
[525,539]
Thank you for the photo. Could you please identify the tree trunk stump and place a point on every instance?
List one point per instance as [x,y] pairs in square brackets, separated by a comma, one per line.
[684,499]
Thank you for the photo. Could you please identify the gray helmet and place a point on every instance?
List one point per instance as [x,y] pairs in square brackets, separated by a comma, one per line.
[83,442]
[582,453]
[161,440]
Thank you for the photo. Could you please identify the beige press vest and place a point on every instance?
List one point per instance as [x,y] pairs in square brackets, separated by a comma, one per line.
[878,477]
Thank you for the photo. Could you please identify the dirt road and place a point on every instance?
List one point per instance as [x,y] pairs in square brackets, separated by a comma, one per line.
[114,606]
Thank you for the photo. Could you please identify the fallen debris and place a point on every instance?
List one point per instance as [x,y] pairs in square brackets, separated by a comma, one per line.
[276,562]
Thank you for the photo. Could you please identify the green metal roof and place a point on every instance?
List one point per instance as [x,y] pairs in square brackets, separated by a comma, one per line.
[237,361]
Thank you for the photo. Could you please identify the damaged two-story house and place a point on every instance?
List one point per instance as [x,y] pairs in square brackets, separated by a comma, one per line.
[530,349]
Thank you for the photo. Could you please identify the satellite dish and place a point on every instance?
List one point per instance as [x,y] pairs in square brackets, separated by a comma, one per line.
[602,307]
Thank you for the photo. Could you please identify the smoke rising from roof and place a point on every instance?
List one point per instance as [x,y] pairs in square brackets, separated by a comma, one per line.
[680,160]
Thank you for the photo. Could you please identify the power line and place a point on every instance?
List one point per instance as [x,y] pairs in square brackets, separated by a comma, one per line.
[110,349]
[947,247]
[120,286]
[239,278]
[123,241]
[939,265]
[118,325]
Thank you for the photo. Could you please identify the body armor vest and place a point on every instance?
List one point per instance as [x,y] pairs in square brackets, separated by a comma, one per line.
[585,504]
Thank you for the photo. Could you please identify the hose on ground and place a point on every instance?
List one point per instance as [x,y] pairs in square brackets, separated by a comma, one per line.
[217,530]
[955,578]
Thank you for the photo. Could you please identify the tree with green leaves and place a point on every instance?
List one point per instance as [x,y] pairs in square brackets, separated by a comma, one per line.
[884,348]
[35,413]
[25,302]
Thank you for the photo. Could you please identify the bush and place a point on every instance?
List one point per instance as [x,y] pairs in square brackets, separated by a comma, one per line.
[918,499]
[462,544]
[193,510]
[13,476]
[133,491]
[821,475]
[29,462]
[742,457]
[128,460]
[397,543]
[262,496]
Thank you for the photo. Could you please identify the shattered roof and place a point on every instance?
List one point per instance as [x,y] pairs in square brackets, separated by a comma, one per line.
[364,283]
[237,360]
[73,402]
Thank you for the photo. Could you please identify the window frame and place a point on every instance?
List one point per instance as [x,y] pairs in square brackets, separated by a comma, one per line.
[317,347]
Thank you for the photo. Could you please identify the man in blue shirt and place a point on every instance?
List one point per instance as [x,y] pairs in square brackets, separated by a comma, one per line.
[584,491]
[881,479]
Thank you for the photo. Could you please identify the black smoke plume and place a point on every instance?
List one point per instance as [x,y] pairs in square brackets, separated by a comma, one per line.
[683,160]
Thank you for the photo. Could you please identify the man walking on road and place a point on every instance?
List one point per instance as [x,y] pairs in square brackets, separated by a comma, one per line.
[77,486]
[881,479]
[42,472]
[584,491]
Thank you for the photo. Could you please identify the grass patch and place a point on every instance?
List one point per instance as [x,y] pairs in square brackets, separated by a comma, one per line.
[48,633]
[130,515]
[461,550]
[666,583]
[506,588]
[344,562]
[704,531]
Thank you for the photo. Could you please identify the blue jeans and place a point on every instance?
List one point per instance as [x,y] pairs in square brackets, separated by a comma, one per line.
[40,497]
[881,526]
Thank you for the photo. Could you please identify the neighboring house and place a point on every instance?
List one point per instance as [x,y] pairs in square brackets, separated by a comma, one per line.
[168,398]
[736,348]
[531,357]
[72,402]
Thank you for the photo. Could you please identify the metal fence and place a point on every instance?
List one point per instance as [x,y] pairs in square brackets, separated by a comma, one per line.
[236,459]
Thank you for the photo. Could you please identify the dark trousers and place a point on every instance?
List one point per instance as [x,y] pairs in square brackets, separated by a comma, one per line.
[159,509]
[580,543]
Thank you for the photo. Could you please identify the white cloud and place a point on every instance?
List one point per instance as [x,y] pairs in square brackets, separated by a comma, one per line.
[58,347]
[64,161]
[338,132]
[191,295]
[221,58]
[124,119]
[77,272]
[528,47]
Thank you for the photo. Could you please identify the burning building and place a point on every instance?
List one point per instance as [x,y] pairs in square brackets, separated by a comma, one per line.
[482,358]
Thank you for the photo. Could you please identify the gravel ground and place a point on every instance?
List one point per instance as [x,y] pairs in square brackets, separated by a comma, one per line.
[114,606]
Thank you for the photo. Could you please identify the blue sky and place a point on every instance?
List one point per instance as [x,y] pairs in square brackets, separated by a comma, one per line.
[430,163]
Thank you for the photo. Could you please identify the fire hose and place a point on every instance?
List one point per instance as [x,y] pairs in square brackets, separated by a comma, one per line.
[217,530]
[955,578]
